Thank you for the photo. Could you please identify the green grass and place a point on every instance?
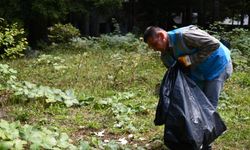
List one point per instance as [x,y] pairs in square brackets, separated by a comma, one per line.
[235,110]
[104,73]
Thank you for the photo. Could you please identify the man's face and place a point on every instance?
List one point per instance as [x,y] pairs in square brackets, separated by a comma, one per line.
[158,42]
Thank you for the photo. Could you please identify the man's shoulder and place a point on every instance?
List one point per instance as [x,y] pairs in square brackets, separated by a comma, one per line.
[194,27]
[184,29]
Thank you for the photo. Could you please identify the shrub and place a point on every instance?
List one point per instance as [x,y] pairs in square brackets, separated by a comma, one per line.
[128,42]
[238,37]
[240,62]
[60,33]
[12,40]
[239,41]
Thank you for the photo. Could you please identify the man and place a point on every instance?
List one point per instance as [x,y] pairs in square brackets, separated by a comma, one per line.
[205,59]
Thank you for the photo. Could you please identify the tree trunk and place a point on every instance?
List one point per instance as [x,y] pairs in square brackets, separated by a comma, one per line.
[233,18]
[94,23]
[187,17]
[249,19]
[131,16]
[242,16]
[85,24]
[37,29]
[216,10]
[201,14]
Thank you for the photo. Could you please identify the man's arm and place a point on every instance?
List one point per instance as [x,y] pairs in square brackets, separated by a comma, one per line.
[167,59]
[205,43]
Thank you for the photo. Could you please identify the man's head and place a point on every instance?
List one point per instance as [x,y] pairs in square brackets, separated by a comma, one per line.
[156,38]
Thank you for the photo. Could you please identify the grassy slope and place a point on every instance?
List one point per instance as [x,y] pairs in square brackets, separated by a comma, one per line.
[102,74]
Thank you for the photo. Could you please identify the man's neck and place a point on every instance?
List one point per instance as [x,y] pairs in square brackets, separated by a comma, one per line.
[167,44]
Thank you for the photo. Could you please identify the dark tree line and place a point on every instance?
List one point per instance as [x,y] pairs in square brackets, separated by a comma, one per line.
[201,12]
[94,17]
[37,15]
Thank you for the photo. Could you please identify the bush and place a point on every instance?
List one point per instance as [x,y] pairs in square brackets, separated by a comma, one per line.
[12,40]
[239,41]
[240,62]
[128,42]
[60,33]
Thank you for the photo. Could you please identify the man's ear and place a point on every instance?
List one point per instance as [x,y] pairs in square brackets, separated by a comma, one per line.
[161,34]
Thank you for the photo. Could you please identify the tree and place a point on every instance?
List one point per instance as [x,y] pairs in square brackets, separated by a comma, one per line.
[37,15]
[235,9]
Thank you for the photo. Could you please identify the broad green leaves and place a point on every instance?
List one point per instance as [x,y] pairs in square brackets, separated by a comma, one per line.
[12,40]
[27,90]
[55,61]
[8,131]
[15,136]
[60,33]
[121,111]
[33,138]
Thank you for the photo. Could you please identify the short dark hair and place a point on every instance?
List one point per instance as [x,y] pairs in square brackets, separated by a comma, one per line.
[150,32]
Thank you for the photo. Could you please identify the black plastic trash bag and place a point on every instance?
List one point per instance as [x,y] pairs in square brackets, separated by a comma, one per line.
[191,122]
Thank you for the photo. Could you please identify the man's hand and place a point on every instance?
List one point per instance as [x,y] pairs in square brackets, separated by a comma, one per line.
[185,60]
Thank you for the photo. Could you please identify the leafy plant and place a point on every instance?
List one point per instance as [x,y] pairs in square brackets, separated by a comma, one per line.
[127,43]
[121,111]
[116,42]
[51,95]
[6,74]
[240,62]
[55,61]
[117,30]
[60,33]
[239,41]
[15,136]
[12,40]
[27,90]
